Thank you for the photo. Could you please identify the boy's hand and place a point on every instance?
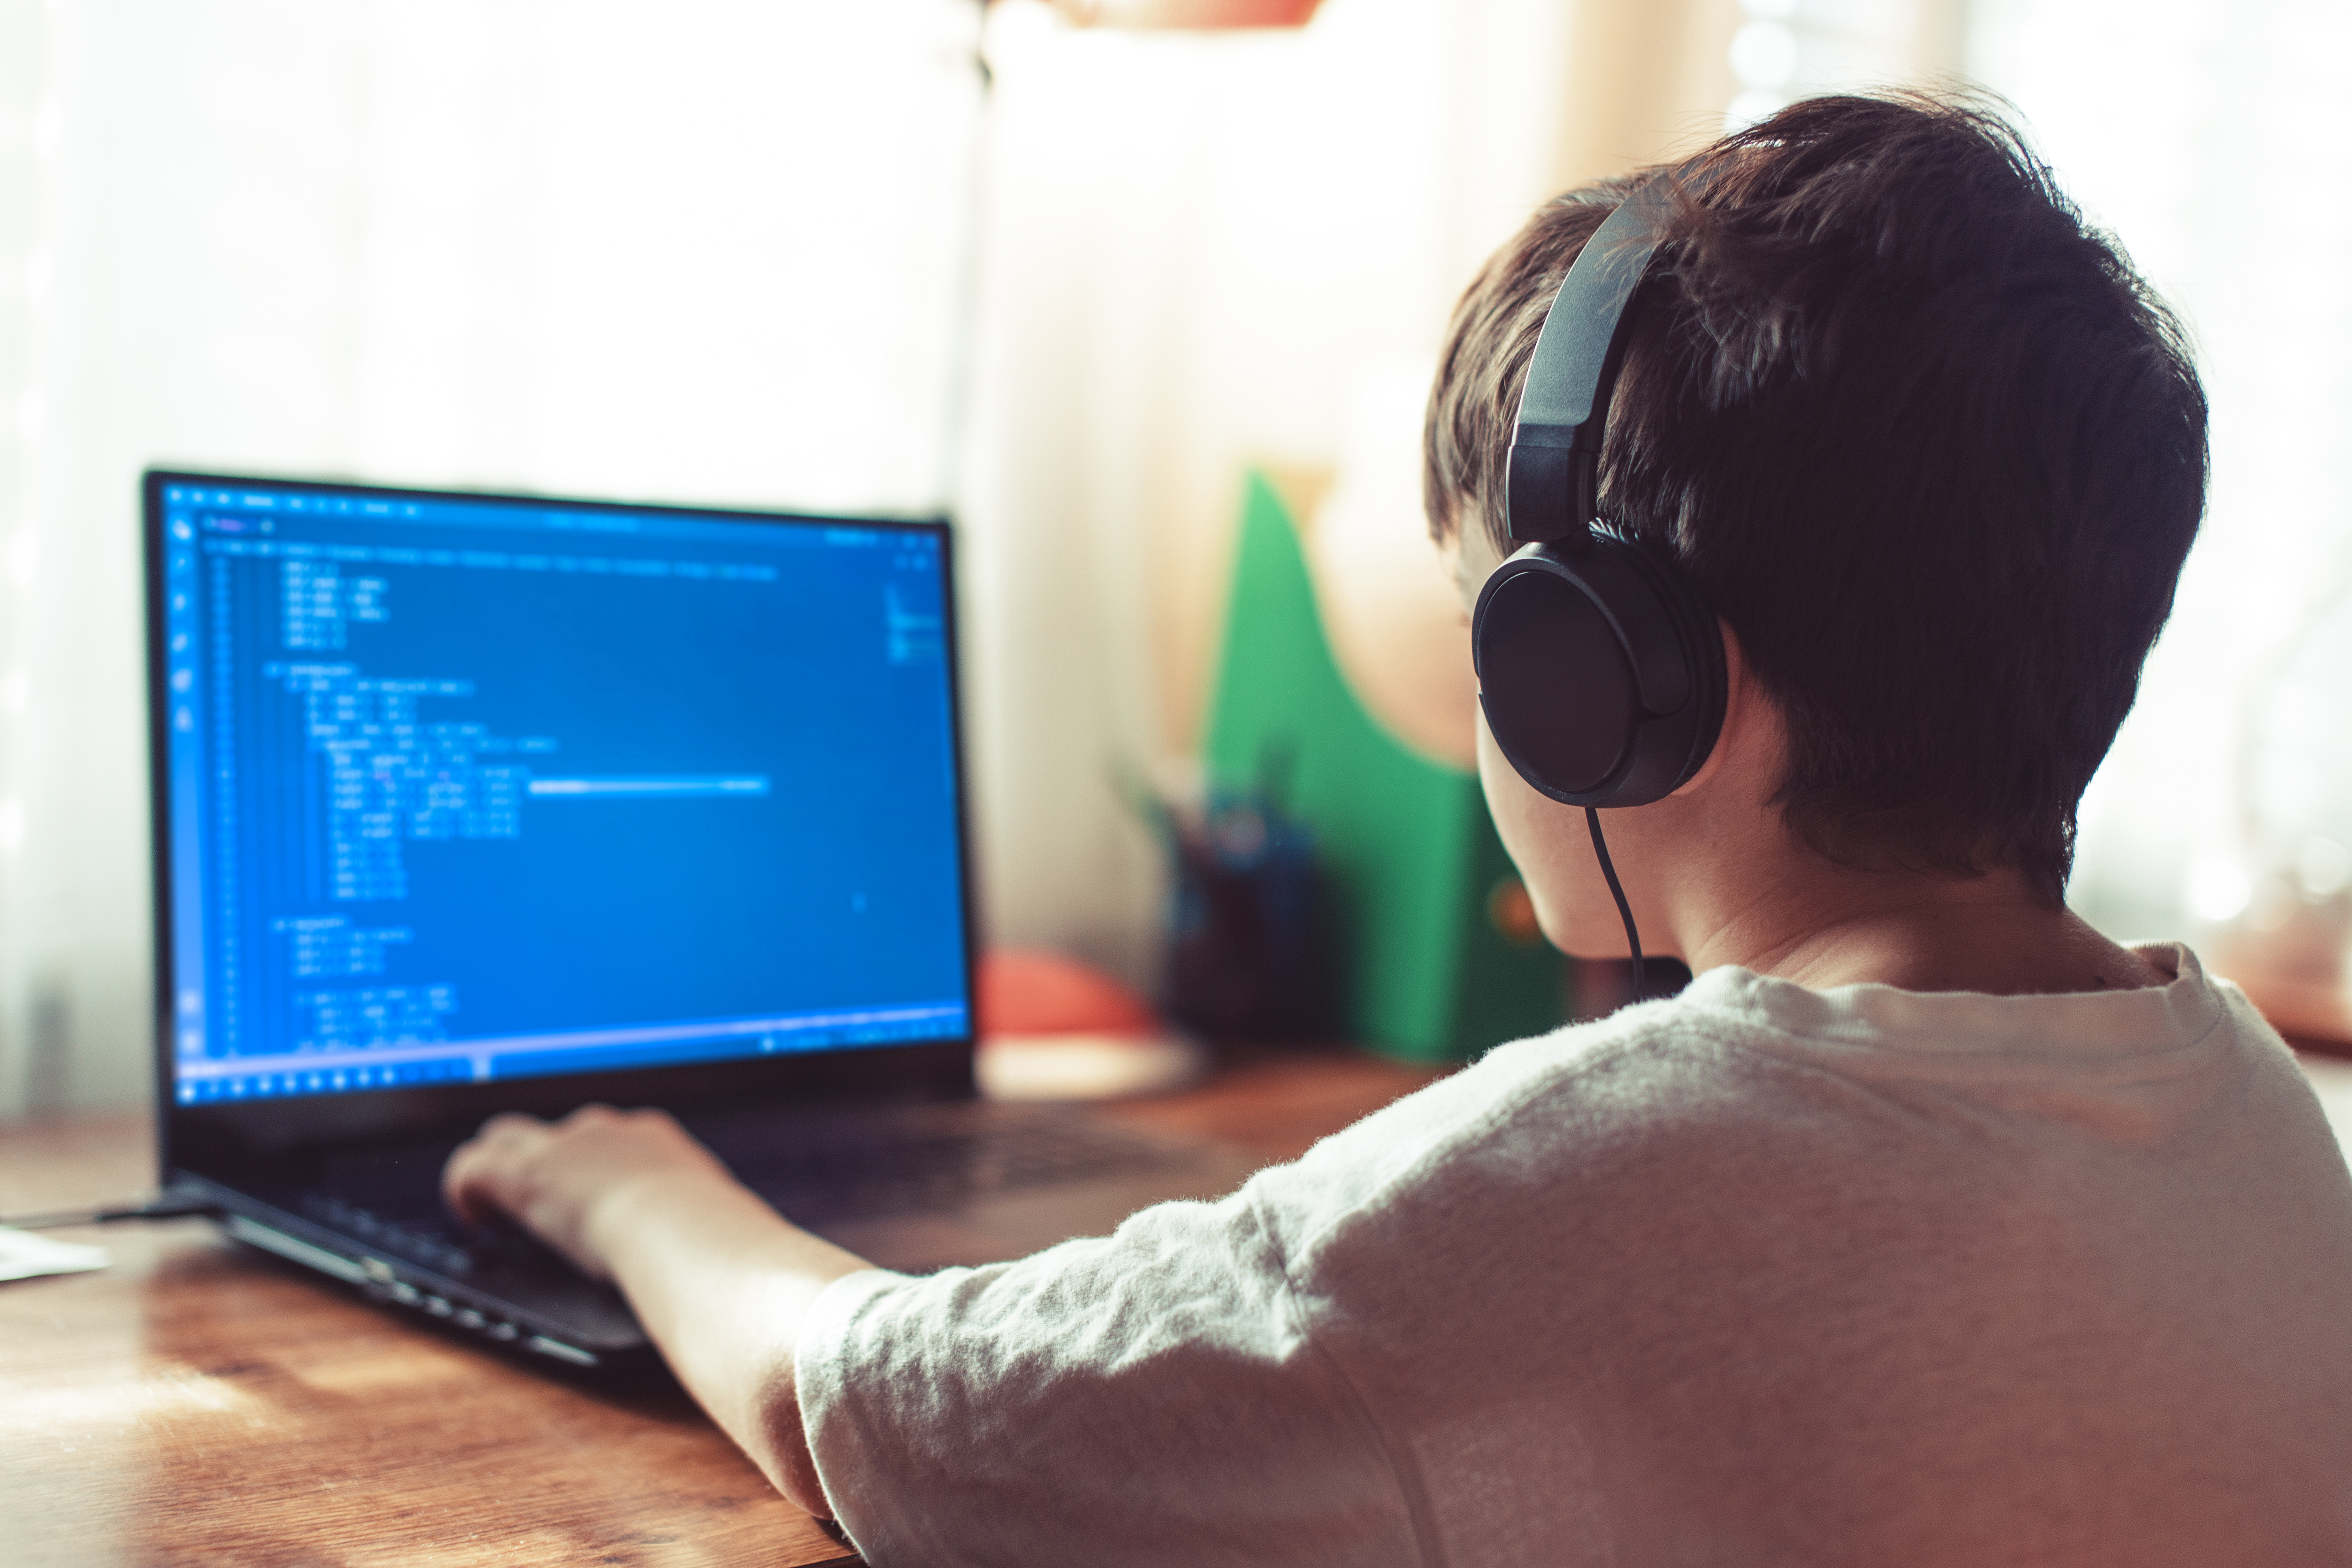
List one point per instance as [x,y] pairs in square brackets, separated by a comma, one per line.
[563,1180]
[720,1281]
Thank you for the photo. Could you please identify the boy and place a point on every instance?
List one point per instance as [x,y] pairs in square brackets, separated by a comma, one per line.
[1926,1226]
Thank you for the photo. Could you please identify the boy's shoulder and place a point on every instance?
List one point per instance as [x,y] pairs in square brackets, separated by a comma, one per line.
[1537,1110]
[1758,1094]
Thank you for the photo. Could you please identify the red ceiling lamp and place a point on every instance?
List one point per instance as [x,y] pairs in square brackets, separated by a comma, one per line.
[1197,14]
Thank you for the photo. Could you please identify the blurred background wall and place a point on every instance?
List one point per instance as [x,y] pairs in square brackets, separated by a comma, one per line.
[1068,282]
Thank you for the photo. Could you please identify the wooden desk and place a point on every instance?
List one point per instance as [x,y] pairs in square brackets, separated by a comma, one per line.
[201,1402]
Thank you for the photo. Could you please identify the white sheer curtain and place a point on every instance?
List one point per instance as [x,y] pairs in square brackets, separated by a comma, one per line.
[707,250]
[711,250]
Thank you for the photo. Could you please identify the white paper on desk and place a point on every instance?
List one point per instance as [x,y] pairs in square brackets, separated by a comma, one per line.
[23,1255]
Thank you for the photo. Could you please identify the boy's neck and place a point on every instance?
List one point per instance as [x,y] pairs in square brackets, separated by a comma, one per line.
[1728,883]
[1823,925]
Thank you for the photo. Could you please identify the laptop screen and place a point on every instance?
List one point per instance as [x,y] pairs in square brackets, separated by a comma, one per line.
[463,788]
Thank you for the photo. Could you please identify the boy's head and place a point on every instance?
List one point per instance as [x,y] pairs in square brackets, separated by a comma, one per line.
[1930,449]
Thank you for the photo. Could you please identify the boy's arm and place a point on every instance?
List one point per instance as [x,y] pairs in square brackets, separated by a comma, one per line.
[721,1282]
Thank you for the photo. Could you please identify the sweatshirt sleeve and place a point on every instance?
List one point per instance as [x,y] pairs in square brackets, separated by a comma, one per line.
[1147,1397]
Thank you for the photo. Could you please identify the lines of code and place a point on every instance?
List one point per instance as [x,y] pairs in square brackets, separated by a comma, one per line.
[330,947]
[455,798]
[374,1016]
[320,604]
[391,778]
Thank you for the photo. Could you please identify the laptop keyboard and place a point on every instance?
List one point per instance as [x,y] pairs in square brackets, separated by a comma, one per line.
[392,1200]
[401,1224]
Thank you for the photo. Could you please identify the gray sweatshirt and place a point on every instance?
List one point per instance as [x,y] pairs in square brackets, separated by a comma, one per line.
[1757,1276]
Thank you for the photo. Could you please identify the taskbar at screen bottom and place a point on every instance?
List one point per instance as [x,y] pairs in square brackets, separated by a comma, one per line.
[417,1064]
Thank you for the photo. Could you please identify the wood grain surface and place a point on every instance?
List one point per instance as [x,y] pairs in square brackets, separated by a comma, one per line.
[202,1403]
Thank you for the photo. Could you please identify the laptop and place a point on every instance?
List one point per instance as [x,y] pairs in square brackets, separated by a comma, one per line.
[469,803]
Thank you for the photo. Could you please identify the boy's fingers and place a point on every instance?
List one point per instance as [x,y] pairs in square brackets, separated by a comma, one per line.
[483,1164]
[509,1127]
[458,1183]
[462,1180]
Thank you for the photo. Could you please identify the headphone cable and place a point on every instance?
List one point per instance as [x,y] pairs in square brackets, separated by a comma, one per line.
[1625,910]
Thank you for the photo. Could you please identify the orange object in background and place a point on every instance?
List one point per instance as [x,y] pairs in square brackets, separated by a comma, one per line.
[1054,1028]
[1202,15]
[1023,992]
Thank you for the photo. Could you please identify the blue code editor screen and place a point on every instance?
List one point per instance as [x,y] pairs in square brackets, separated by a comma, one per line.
[473,788]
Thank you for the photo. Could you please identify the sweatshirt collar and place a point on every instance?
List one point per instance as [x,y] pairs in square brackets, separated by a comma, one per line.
[2082,1024]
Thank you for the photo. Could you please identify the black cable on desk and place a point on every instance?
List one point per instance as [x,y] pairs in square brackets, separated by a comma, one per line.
[166,1207]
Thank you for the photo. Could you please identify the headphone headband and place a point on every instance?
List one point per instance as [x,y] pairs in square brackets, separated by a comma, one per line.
[1552,475]
[1601,668]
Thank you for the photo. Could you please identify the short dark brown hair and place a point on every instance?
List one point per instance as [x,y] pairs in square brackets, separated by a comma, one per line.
[1923,439]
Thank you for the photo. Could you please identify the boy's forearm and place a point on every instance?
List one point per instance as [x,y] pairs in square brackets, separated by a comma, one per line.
[722,1285]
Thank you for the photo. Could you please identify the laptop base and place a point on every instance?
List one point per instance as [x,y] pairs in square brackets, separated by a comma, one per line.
[914,1188]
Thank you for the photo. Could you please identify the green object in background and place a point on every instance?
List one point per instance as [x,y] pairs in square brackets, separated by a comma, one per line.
[1418,894]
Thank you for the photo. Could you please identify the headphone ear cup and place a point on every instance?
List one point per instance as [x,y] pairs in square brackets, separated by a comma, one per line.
[1601,670]
[1554,683]
[1679,743]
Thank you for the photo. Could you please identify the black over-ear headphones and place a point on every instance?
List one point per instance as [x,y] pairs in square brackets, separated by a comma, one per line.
[1599,667]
